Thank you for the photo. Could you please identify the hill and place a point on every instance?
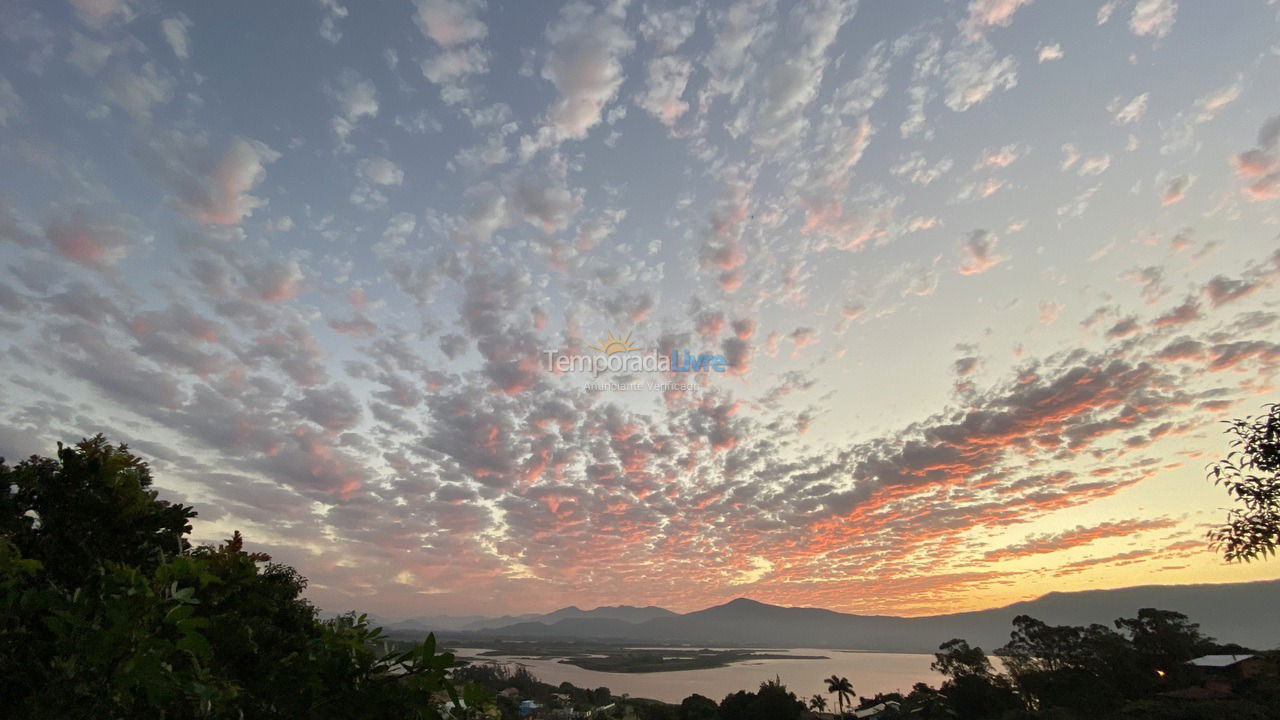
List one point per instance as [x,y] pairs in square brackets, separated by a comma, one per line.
[1239,612]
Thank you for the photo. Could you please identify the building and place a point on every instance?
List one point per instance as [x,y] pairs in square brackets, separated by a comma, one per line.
[1232,666]
[1220,673]
[876,711]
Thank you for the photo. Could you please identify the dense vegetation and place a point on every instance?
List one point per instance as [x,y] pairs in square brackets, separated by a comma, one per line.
[107,611]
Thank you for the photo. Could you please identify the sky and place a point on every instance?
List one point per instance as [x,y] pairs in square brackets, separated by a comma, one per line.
[985,277]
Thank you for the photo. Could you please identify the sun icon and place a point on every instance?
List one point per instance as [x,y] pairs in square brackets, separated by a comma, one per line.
[610,344]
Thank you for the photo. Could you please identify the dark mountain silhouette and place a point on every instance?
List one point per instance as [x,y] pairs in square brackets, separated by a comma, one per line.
[624,613]
[1239,612]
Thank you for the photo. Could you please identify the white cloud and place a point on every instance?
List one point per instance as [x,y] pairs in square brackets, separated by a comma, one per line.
[455,28]
[10,104]
[1049,53]
[668,78]
[329,23]
[972,72]
[585,65]
[991,13]
[1153,17]
[1210,105]
[381,171]
[357,98]
[450,65]
[88,55]
[138,92]
[212,189]
[100,12]
[174,30]
[449,22]
[1131,112]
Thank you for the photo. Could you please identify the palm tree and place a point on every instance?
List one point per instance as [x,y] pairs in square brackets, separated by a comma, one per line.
[817,703]
[842,689]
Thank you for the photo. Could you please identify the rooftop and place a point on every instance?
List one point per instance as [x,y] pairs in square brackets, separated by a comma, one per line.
[1218,660]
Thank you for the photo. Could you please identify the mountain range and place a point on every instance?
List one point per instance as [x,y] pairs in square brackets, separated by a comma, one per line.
[1244,613]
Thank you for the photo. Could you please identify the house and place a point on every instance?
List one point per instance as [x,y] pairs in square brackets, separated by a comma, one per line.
[1219,673]
[876,711]
[1232,666]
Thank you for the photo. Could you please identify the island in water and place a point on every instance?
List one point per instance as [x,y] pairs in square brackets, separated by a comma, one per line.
[618,659]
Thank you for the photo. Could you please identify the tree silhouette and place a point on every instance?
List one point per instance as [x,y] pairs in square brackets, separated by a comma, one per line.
[1251,474]
[957,659]
[841,688]
[106,611]
[817,703]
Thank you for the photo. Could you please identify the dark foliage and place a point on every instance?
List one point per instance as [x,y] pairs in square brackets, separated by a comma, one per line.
[107,612]
[772,702]
[1251,475]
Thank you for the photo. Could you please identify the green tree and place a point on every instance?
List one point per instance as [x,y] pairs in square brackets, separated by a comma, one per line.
[1251,475]
[698,707]
[842,689]
[92,504]
[973,689]
[772,702]
[956,659]
[1163,641]
[1084,669]
[106,611]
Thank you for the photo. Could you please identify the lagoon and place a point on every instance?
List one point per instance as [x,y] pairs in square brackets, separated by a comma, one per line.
[869,673]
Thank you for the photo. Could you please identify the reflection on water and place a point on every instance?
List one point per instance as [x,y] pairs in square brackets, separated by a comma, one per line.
[869,673]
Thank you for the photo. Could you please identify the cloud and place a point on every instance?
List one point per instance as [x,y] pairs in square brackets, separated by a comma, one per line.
[584,64]
[211,188]
[174,30]
[1176,189]
[357,98]
[1259,167]
[88,55]
[456,29]
[138,92]
[1049,52]
[978,252]
[1130,112]
[94,243]
[11,105]
[101,12]
[1188,311]
[373,174]
[1049,312]
[1153,17]
[333,12]
[668,78]
[1079,536]
[991,13]
[1215,102]
[916,168]
[381,171]
[449,22]
[972,72]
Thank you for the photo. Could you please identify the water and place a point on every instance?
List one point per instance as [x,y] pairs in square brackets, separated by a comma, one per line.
[869,673]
